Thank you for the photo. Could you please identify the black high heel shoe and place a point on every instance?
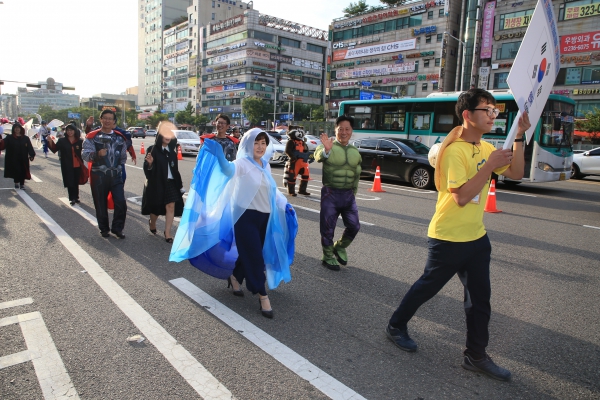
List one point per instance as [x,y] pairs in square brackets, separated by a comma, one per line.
[238,293]
[168,240]
[265,313]
[153,231]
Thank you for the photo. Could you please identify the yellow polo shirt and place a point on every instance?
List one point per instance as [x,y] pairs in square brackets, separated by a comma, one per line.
[460,162]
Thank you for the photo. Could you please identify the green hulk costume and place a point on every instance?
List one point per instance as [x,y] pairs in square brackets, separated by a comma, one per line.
[341,173]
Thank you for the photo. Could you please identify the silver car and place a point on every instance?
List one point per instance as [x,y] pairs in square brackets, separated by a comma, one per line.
[188,140]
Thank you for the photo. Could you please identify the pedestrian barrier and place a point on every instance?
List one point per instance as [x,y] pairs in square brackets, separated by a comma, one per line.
[377,182]
[490,203]
[179,155]
[142,151]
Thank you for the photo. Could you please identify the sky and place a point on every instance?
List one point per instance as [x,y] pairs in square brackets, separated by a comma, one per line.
[92,45]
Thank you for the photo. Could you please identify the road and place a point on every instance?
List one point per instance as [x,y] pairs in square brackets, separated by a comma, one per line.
[78,297]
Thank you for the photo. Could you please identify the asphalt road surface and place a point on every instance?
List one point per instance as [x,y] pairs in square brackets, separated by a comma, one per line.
[70,299]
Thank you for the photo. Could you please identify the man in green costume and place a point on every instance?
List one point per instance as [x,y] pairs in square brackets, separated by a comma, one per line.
[341,172]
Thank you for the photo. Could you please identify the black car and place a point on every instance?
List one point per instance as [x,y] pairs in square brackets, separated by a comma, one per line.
[403,159]
[138,132]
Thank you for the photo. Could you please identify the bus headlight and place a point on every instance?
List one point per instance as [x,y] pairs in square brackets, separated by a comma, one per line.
[545,167]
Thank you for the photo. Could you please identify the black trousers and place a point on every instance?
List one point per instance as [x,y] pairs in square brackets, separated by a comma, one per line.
[73,186]
[250,231]
[101,185]
[471,260]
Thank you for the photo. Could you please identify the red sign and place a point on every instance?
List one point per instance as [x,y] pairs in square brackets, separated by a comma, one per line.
[580,42]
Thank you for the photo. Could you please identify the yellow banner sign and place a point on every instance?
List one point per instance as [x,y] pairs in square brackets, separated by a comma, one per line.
[588,10]
[517,22]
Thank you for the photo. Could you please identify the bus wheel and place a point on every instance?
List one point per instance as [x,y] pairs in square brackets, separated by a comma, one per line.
[421,178]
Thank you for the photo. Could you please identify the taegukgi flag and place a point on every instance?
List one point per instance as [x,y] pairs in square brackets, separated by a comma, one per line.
[534,71]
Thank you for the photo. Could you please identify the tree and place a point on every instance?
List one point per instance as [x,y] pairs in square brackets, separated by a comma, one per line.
[356,9]
[156,118]
[186,116]
[201,120]
[391,3]
[590,124]
[318,114]
[255,109]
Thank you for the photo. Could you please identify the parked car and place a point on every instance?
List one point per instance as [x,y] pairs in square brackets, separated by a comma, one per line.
[188,140]
[402,159]
[586,163]
[278,157]
[151,132]
[312,142]
[137,131]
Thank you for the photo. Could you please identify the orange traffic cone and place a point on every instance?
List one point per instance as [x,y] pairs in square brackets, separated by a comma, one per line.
[377,183]
[490,203]
[109,202]
[179,155]
[142,151]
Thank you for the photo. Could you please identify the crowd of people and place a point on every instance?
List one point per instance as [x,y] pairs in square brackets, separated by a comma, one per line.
[237,226]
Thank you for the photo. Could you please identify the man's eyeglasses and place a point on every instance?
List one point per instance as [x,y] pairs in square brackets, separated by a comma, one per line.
[221,123]
[491,112]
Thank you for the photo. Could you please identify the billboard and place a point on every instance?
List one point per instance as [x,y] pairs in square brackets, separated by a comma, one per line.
[487,32]
[384,48]
[580,42]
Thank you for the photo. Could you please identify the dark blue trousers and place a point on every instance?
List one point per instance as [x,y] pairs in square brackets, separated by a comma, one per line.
[250,231]
[333,203]
[471,261]
[101,184]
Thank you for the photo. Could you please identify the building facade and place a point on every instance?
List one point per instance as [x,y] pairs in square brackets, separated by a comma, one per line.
[406,51]
[579,31]
[8,106]
[257,55]
[50,93]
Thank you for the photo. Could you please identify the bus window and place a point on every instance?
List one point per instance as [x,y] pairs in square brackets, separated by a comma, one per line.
[445,117]
[421,122]
[500,125]
[389,117]
[362,117]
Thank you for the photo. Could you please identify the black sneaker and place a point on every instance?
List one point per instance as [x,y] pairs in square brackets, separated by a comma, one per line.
[486,366]
[16,185]
[120,235]
[401,338]
[105,234]
[22,187]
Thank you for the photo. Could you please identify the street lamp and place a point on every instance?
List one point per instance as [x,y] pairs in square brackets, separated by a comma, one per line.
[462,70]
[274,102]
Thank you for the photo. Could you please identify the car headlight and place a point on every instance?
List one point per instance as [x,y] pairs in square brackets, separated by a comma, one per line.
[545,167]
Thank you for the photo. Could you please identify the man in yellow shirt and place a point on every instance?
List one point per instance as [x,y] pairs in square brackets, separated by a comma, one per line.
[458,242]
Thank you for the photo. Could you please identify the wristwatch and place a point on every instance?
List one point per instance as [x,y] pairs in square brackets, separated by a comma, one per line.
[522,139]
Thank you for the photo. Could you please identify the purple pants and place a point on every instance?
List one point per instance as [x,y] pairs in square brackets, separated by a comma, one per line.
[333,203]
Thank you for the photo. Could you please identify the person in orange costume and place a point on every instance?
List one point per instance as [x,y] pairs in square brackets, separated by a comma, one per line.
[297,164]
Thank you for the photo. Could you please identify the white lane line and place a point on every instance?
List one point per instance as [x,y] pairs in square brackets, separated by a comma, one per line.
[133,166]
[89,217]
[205,384]
[591,226]
[318,212]
[516,194]
[15,303]
[286,356]
[35,178]
[52,375]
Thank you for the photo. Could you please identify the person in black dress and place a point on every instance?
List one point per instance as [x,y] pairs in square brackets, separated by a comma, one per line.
[71,163]
[19,152]
[163,190]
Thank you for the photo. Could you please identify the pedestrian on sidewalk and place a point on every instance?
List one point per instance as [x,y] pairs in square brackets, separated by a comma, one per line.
[71,164]
[341,173]
[163,189]
[107,150]
[18,153]
[44,134]
[458,242]
[236,224]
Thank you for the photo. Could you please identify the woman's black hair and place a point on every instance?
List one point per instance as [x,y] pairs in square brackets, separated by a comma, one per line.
[262,135]
[12,131]
[77,131]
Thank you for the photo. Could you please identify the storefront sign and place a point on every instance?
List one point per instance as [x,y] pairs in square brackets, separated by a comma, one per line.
[487,31]
[227,24]
[517,22]
[265,55]
[300,62]
[269,46]
[428,77]
[227,57]
[398,46]
[376,70]
[484,74]
[588,10]
[421,54]
[410,78]
[509,35]
[576,59]
[260,79]
[347,64]
[586,91]
[223,82]
[425,29]
[368,61]
[561,92]
[226,88]
[280,58]
[264,65]
[580,42]
[372,18]
[226,48]
[421,8]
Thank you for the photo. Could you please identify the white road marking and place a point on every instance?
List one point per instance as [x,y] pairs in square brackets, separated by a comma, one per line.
[318,212]
[89,217]
[516,194]
[52,375]
[286,356]
[205,384]
[35,178]
[15,303]
[591,226]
